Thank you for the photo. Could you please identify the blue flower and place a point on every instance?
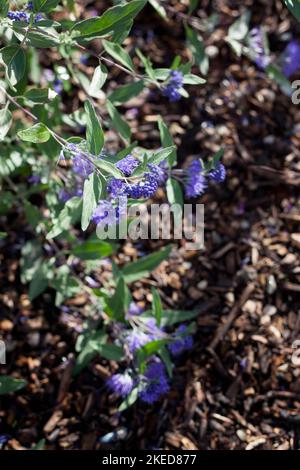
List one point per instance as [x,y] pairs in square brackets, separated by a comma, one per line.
[195,184]
[121,384]
[154,382]
[127,165]
[116,188]
[256,41]
[291,58]
[182,341]
[218,174]
[174,83]
[104,213]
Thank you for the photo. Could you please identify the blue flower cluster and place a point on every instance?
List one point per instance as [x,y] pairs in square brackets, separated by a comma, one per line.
[23,15]
[196,179]
[181,341]
[81,163]
[145,188]
[175,82]
[152,384]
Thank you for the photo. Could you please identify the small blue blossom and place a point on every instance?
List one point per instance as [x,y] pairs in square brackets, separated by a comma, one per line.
[195,184]
[121,384]
[58,86]
[182,341]
[34,179]
[134,310]
[256,40]
[143,189]
[104,213]
[174,84]
[291,58]
[136,339]
[127,165]
[116,188]
[218,175]
[154,383]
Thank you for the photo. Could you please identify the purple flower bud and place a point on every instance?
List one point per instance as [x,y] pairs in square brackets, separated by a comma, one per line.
[174,84]
[218,174]
[127,165]
[195,184]
[153,383]
[291,58]
[121,384]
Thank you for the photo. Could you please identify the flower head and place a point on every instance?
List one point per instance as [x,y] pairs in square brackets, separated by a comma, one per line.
[174,83]
[218,174]
[104,213]
[291,58]
[154,382]
[195,184]
[182,341]
[116,188]
[121,384]
[143,189]
[127,165]
[256,41]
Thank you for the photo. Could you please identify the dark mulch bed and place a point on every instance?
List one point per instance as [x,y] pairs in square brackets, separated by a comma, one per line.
[238,387]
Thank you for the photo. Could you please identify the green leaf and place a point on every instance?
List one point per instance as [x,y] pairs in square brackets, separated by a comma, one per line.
[118,304]
[147,64]
[156,305]
[116,51]
[3,235]
[159,8]
[294,7]
[37,95]
[10,160]
[39,282]
[70,214]
[109,168]
[171,317]
[239,29]
[36,134]
[4,7]
[91,195]
[274,72]
[112,21]
[166,358]
[143,267]
[191,79]
[193,5]
[161,155]
[126,92]
[93,249]
[112,352]
[15,63]
[5,121]
[211,164]
[167,140]
[197,47]
[40,40]
[44,6]
[40,445]
[10,384]
[98,80]
[129,400]
[174,192]
[92,343]
[94,133]
[118,123]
